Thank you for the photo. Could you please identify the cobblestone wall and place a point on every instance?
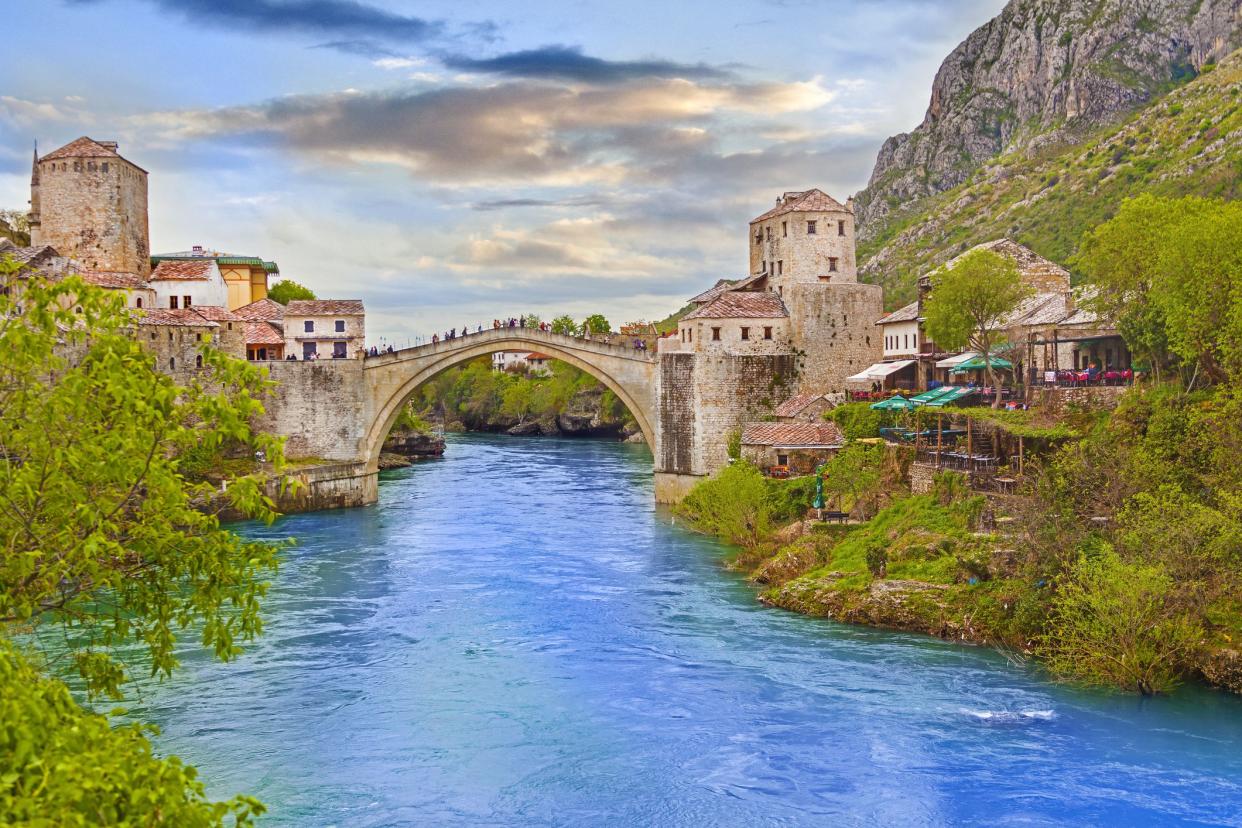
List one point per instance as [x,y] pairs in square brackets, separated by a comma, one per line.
[833,328]
[321,408]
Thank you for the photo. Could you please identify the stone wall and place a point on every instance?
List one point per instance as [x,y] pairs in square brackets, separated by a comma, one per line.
[763,336]
[675,417]
[1091,396]
[322,407]
[833,326]
[804,257]
[922,477]
[331,486]
[177,348]
[728,392]
[95,210]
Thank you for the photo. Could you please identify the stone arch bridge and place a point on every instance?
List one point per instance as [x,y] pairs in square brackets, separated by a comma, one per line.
[392,377]
[335,414]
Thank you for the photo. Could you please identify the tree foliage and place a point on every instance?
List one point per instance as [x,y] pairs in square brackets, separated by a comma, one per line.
[1118,623]
[596,324]
[970,302]
[564,324]
[855,475]
[1169,273]
[286,290]
[109,544]
[64,766]
[735,505]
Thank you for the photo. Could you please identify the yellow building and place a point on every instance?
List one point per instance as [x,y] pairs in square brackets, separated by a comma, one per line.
[246,276]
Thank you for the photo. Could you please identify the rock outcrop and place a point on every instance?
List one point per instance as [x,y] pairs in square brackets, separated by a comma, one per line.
[416,445]
[1044,71]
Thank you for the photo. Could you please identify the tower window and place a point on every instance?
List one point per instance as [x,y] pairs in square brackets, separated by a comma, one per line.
[841,227]
[767,331]
[832,264]
[768,233]
[715,334]
[340,326]
[104,166]
[198,337]
[745,332]
[810,228]
[784,228]
[198,361]
[758,238]
[308,326]
[172,362]
[780,267]
[138,302]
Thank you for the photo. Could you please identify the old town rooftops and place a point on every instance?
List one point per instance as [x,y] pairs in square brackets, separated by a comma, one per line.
[115,279]
[182,317]
[794,406]
[264,310]
[191,270]
[725,285]
[905,314]
[742,305]
[216,313]
[325,307]
[85,147]
[808,201]
[793,435]
[263,333]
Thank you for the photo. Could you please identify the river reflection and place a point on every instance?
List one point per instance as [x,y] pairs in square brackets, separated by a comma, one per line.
[517,636]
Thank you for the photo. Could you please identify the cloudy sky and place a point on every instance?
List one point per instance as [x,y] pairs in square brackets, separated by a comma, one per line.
[453,162]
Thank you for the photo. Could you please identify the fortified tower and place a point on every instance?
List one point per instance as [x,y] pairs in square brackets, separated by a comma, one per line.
[91,205]
[805,247]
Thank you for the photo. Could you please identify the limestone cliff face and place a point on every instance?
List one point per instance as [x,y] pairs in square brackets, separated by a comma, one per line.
[1039,72]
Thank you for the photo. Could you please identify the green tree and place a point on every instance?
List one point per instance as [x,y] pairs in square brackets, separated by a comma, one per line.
[564,324]
[1118,623]
[1176,292]
[518,400]
[596,324]
[106,537]
[856,471]
[969,304]
[61,765]
[286,290]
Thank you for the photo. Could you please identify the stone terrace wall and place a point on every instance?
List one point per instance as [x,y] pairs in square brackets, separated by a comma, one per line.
[321,407]
[833,324]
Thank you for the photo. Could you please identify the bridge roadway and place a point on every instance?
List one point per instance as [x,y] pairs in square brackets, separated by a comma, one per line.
[392,377]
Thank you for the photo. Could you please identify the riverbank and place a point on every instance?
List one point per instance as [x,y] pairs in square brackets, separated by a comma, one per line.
[1085,566]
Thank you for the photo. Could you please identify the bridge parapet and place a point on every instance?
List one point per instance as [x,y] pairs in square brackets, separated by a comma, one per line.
[523,337]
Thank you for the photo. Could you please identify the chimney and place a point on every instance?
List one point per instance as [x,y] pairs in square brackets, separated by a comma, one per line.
[112,145]
[196,250]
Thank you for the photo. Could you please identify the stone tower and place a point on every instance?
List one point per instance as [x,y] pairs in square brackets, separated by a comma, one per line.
[805,246]
[91,205]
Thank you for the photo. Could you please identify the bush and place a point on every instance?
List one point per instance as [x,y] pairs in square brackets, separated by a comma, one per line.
[735,505]
[856,420]
[1117,623]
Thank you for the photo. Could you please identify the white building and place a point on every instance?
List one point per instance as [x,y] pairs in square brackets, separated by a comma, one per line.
[504,360]
[325,328]
[185,284]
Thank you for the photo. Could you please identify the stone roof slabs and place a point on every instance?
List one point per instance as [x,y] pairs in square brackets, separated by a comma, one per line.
[791,435]
[809,201]
[325,307]
[742,305]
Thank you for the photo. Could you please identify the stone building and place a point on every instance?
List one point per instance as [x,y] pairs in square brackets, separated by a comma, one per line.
[264,329]
[91,205]
[230,336]
[188,284]
[176,338]
[800,322]
[795,448]
[325,328]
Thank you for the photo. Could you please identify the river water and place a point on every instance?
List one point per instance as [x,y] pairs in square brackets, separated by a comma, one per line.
[517,636]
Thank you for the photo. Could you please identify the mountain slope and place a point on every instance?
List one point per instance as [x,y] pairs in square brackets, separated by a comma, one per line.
[1040,73]
[1186,143]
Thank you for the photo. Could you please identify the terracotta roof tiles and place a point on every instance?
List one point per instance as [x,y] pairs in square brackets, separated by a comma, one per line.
[826,435]
[809,201]
[794,405]
[325,307]
[263,333]
[181,317]
[742,305]
[191,270]
[905,314]
[263,310]
[114,279]
[215,313]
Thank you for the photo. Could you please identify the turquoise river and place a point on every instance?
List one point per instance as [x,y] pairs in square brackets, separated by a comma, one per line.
[516,635]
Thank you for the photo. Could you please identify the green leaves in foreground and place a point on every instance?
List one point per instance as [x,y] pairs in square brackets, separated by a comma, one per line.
[62,766]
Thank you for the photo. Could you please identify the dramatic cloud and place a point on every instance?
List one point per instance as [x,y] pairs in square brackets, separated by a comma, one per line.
[338,18]
[569,63]
[513,132]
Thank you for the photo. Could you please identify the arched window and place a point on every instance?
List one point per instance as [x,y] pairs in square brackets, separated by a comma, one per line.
[198,361]
[138,302]
[172,362]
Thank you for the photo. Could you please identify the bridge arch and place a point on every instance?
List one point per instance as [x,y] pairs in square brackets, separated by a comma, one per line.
[393,378]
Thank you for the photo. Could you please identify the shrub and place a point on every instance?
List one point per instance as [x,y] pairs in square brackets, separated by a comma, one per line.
[735,505]
[856,420]
[1116,623]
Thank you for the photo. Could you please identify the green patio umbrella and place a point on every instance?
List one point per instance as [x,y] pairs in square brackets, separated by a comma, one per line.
[894,403]
[977,364]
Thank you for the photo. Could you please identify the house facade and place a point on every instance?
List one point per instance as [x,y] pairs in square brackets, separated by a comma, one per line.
[324,328]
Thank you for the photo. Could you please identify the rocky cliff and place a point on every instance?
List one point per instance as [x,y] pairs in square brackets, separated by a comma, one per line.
[1044,72]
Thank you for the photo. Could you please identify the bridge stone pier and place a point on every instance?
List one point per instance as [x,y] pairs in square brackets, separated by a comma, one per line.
[337,413]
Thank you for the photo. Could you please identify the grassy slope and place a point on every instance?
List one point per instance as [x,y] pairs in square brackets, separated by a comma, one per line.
[1186,143]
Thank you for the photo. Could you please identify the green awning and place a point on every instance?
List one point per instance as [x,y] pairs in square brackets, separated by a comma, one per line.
[977,364]
[894,403]
[956,393]
[927,396]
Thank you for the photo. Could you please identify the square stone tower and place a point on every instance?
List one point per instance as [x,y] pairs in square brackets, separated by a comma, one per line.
[91,205]
[805,247]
